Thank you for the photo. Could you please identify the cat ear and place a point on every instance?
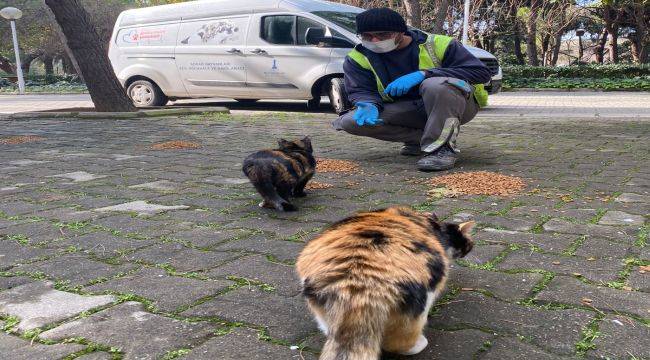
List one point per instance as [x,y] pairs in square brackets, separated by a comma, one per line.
[466,227]
[434,217]
[282,143]
[307,141]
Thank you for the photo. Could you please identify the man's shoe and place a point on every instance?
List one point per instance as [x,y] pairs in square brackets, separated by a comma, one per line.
[441,159]
[410,150]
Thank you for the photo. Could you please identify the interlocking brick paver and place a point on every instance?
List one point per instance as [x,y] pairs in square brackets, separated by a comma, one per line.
[15,348]
[167,293]
[286,318]
[137,333]
[621,337]
[555,330]
[572,291]
[579,173]
[38,304]
[245,344]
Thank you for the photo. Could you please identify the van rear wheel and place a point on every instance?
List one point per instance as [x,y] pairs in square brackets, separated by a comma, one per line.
[145,93]
[338,96]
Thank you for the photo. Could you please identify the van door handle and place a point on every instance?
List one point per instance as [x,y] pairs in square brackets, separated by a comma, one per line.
[234,51]
[259,52]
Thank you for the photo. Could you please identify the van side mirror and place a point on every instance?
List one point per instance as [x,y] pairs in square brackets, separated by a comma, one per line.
[335,42]
[314,35]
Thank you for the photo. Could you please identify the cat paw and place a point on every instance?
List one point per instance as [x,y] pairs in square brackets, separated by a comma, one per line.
[288,207]
[418,347]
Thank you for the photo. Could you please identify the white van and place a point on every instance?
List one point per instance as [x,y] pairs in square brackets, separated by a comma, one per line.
[241,49]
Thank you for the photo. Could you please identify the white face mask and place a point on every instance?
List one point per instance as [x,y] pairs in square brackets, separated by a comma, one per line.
[380,47]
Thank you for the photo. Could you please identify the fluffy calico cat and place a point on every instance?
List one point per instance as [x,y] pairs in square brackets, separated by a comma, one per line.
[370,280]
[281,173]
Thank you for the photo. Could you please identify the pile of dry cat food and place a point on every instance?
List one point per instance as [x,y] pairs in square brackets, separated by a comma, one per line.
[480,183]
[21,139]
[175,145]
[333,165]
[315,185]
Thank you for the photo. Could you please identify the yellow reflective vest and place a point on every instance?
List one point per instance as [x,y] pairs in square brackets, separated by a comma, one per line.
[432,53]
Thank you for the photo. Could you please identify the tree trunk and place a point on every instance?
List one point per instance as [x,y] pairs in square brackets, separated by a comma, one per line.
[546,43]
[639,41]
[556,48]
[48,63]
[600,48]
[531,39]
[439,22]
[613,46]
[6,65]
[81,37]
[413,13]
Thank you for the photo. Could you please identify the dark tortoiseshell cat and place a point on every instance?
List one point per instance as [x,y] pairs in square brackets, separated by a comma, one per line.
[281,173]
[370,280]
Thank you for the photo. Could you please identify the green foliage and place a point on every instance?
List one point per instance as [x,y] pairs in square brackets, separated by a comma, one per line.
[618,71]
[640,83]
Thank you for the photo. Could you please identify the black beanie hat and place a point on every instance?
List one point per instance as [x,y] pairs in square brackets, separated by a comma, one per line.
[380,19]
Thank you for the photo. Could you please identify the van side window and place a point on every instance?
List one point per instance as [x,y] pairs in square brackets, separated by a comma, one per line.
[279,29]
[302,25]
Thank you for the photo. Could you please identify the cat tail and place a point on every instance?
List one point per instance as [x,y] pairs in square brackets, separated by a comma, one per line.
[355,330]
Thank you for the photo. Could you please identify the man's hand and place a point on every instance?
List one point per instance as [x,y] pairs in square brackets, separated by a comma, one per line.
[367,114]
[404,83]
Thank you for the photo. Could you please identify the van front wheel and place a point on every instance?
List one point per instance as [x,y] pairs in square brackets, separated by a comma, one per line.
[338,96]
[145,93]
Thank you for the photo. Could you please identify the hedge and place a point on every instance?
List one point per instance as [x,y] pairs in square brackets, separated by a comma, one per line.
[584,71]
[638,83]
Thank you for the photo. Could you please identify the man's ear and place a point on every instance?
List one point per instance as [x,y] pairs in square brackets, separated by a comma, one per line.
[466,227]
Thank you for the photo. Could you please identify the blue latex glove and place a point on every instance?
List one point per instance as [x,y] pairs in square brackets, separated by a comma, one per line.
[367,114]
[404,83]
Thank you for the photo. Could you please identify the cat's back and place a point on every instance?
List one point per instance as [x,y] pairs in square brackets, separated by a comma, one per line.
[383,248]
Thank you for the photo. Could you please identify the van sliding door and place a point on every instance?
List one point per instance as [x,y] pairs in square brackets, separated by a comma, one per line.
[210,57]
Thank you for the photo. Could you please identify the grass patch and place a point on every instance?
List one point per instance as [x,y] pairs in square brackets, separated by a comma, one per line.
[642,236]
[175,354]
[589,334]
[22,239]
[539,227]
[571,250]
[599,214]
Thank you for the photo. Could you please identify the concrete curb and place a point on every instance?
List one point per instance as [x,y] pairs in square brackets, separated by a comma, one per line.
[141,114]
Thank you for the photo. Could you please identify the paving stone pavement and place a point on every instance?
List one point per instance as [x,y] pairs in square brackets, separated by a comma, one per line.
[109,249]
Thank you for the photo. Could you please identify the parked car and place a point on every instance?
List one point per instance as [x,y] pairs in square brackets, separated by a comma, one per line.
[246,50]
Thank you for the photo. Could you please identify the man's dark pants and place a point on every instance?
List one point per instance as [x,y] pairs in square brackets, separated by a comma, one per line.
[418,121]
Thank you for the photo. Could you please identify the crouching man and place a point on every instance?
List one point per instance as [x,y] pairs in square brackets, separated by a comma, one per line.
[412,88]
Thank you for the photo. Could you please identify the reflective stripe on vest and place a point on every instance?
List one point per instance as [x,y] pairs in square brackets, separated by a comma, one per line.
[431,55]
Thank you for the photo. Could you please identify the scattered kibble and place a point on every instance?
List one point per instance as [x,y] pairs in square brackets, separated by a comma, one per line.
[480,183]
[175,145]
[333,165]
[21,139]
[315,185]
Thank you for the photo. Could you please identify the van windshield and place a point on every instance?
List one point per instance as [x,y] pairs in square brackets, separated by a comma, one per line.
[346,20]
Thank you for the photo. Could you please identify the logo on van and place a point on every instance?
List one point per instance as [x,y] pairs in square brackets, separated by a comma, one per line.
[218,32]
[275,65]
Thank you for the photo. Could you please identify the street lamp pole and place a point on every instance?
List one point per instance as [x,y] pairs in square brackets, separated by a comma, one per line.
[12,14]
[465,21]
